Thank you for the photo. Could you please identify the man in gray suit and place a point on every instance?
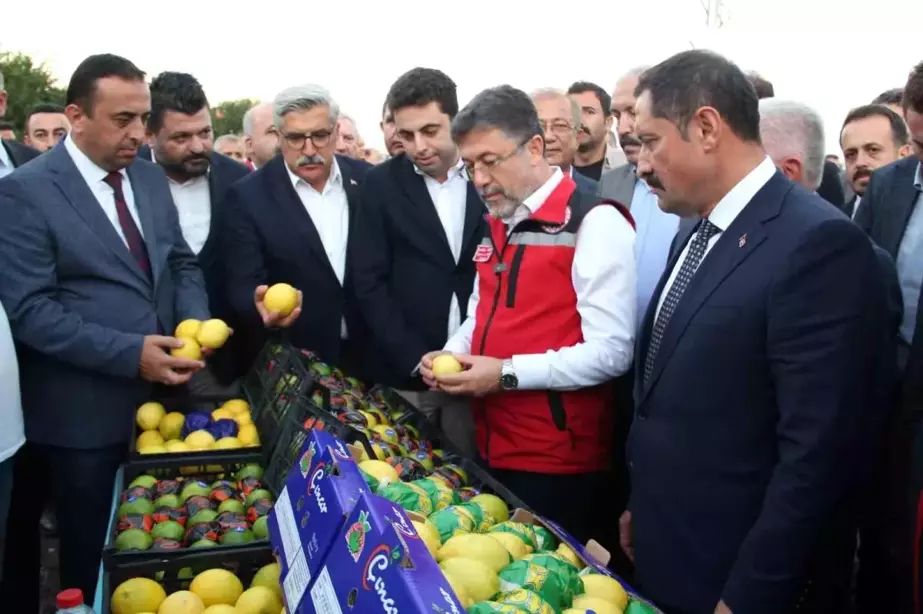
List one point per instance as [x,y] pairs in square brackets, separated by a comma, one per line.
[655,228]
[95,268]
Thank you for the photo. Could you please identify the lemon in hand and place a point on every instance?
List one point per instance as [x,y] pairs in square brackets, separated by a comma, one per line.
[187,328]
[190,349]
[281,299]
[213,334]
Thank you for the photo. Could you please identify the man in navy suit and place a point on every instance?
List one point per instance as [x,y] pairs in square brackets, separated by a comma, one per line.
[290,222]
[95,268]
[182,143]
[892,213]
[758,363]
[418,226]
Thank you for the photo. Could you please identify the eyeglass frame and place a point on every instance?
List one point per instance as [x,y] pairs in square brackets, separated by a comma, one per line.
[304,137]
[563,127]
[470,170]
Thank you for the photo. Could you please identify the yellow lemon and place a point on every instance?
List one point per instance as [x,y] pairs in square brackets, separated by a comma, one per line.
[153,449]
[268,576]
[200,440]
[172,425]
[222,413]
[236,406]
[176,445]
[220,608]
[248,435]
[187,328]
[149,416]
[217,586]
[137,595]
[243,419]
[182,602]
[445,364]
[228,443]
[258,600]
[190,349]
[605,588]
[213,334]
[281,298]
[149,438]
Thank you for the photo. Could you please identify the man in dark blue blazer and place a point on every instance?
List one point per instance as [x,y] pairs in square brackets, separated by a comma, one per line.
[95,268]
[14,155]
[182,143]
[418,226]
[892,213]
[291,222]
[758,363]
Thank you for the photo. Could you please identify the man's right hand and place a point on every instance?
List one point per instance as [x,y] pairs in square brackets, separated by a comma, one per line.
[273,319]
[625,536]
[426,368]
[159,367]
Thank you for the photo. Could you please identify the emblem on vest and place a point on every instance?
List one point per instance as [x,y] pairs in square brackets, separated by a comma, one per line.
[483,252]
[551,228]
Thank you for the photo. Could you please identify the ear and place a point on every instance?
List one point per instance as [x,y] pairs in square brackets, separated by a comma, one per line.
[706,127]
[74,114]
[904,151]
[609,120]
[792,169]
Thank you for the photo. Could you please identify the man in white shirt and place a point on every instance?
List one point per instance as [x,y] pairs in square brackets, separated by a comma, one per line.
[417,231]
[551,321]
[12,435]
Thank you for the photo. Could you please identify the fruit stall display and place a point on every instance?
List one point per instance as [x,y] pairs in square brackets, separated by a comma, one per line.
[220,508]
[200,582]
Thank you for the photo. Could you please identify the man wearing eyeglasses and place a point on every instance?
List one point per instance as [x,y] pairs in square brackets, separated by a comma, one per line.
[551,321]
[559,118]
[289,222]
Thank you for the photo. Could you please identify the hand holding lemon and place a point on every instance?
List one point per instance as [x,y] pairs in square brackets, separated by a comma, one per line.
[279,305]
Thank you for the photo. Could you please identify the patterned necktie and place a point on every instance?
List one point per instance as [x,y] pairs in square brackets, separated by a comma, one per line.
[690,264]
[129,228]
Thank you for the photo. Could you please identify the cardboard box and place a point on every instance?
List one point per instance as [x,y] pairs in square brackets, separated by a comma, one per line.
[378,563]
[309,513]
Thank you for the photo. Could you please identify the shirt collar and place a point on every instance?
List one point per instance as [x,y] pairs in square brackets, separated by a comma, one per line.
[918,178]
[335,178]
[535,200]
[729,207]
[91,171]
[5,159]
[454,170]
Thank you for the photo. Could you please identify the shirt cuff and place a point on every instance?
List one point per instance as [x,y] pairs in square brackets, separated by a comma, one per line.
[532,371]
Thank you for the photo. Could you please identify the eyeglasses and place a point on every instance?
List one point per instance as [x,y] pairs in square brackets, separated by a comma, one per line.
[558,126]
[487,166]
[319,139]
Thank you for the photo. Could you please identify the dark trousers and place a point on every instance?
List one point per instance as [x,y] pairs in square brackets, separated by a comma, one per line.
[81,483]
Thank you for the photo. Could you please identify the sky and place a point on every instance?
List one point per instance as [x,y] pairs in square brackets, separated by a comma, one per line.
[830,54]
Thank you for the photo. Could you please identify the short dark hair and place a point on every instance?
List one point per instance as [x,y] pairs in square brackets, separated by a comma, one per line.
[899,132]
[174,91]
[421,86]
[503,107]
[892,96]
[682,84]
[762,86]
[913,91]
[82,86]
[605,100]
[42,107]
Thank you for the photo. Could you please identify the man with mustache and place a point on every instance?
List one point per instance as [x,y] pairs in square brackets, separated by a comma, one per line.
[290,221]
[101,271]
[655,228]
[594,155]
[179,131]
[551,320]
[872,136]
[393,143]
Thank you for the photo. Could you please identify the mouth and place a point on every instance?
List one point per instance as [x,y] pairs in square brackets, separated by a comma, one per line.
[426,160]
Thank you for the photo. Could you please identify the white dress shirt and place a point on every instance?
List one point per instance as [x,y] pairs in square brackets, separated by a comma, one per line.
[11,432]
[855,208]
[329,210]
[6,163]
[724,214]
[603,274]
[194,207]
[94,176]
[450,198]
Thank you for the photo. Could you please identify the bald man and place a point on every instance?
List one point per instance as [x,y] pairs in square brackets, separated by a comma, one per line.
[261,142]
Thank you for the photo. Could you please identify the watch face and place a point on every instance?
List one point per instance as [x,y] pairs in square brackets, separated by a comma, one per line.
[508,381]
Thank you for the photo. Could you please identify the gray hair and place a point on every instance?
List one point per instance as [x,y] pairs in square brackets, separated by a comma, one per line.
[226,138]
[637,71]
[248,117]
[303,98]
[551,93]
[789,128]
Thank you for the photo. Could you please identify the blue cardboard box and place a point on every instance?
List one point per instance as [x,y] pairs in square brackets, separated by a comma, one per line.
[309,513]
[378,564]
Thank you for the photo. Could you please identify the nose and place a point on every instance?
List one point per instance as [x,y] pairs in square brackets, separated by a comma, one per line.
[419,141]
[626,124]
[644,165]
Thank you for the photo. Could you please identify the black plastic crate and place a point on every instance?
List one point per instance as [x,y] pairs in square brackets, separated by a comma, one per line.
[267,370]
[115,560]
[175,573]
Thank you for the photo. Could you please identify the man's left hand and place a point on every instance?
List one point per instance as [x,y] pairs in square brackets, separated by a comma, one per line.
[481,376]
[722,608]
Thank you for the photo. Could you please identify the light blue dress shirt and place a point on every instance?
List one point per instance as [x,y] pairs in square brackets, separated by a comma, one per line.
[910,262]
[655,230]
[6,164]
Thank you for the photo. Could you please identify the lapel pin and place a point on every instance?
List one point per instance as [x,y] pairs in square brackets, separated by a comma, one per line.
[742,241]
[353,182]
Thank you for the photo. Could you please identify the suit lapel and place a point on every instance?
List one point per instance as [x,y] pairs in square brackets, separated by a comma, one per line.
[474,219]
[414,187]
[284,193]
[735,244]
[73,187]
[902,197]
[351,186]
[625,190]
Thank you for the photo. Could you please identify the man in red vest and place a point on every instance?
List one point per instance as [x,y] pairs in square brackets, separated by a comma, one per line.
[551,320]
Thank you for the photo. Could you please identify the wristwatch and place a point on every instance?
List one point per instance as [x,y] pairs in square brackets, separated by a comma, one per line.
[508,379]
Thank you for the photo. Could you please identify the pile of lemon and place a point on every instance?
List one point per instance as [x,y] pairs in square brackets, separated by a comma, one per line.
[214,591]
[161,432]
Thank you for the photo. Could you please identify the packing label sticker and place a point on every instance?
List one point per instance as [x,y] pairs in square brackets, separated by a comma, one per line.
[323,595]
[297,580]
[288,528]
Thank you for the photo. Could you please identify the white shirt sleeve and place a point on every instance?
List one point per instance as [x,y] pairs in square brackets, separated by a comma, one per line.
[460,343]
[604,276]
